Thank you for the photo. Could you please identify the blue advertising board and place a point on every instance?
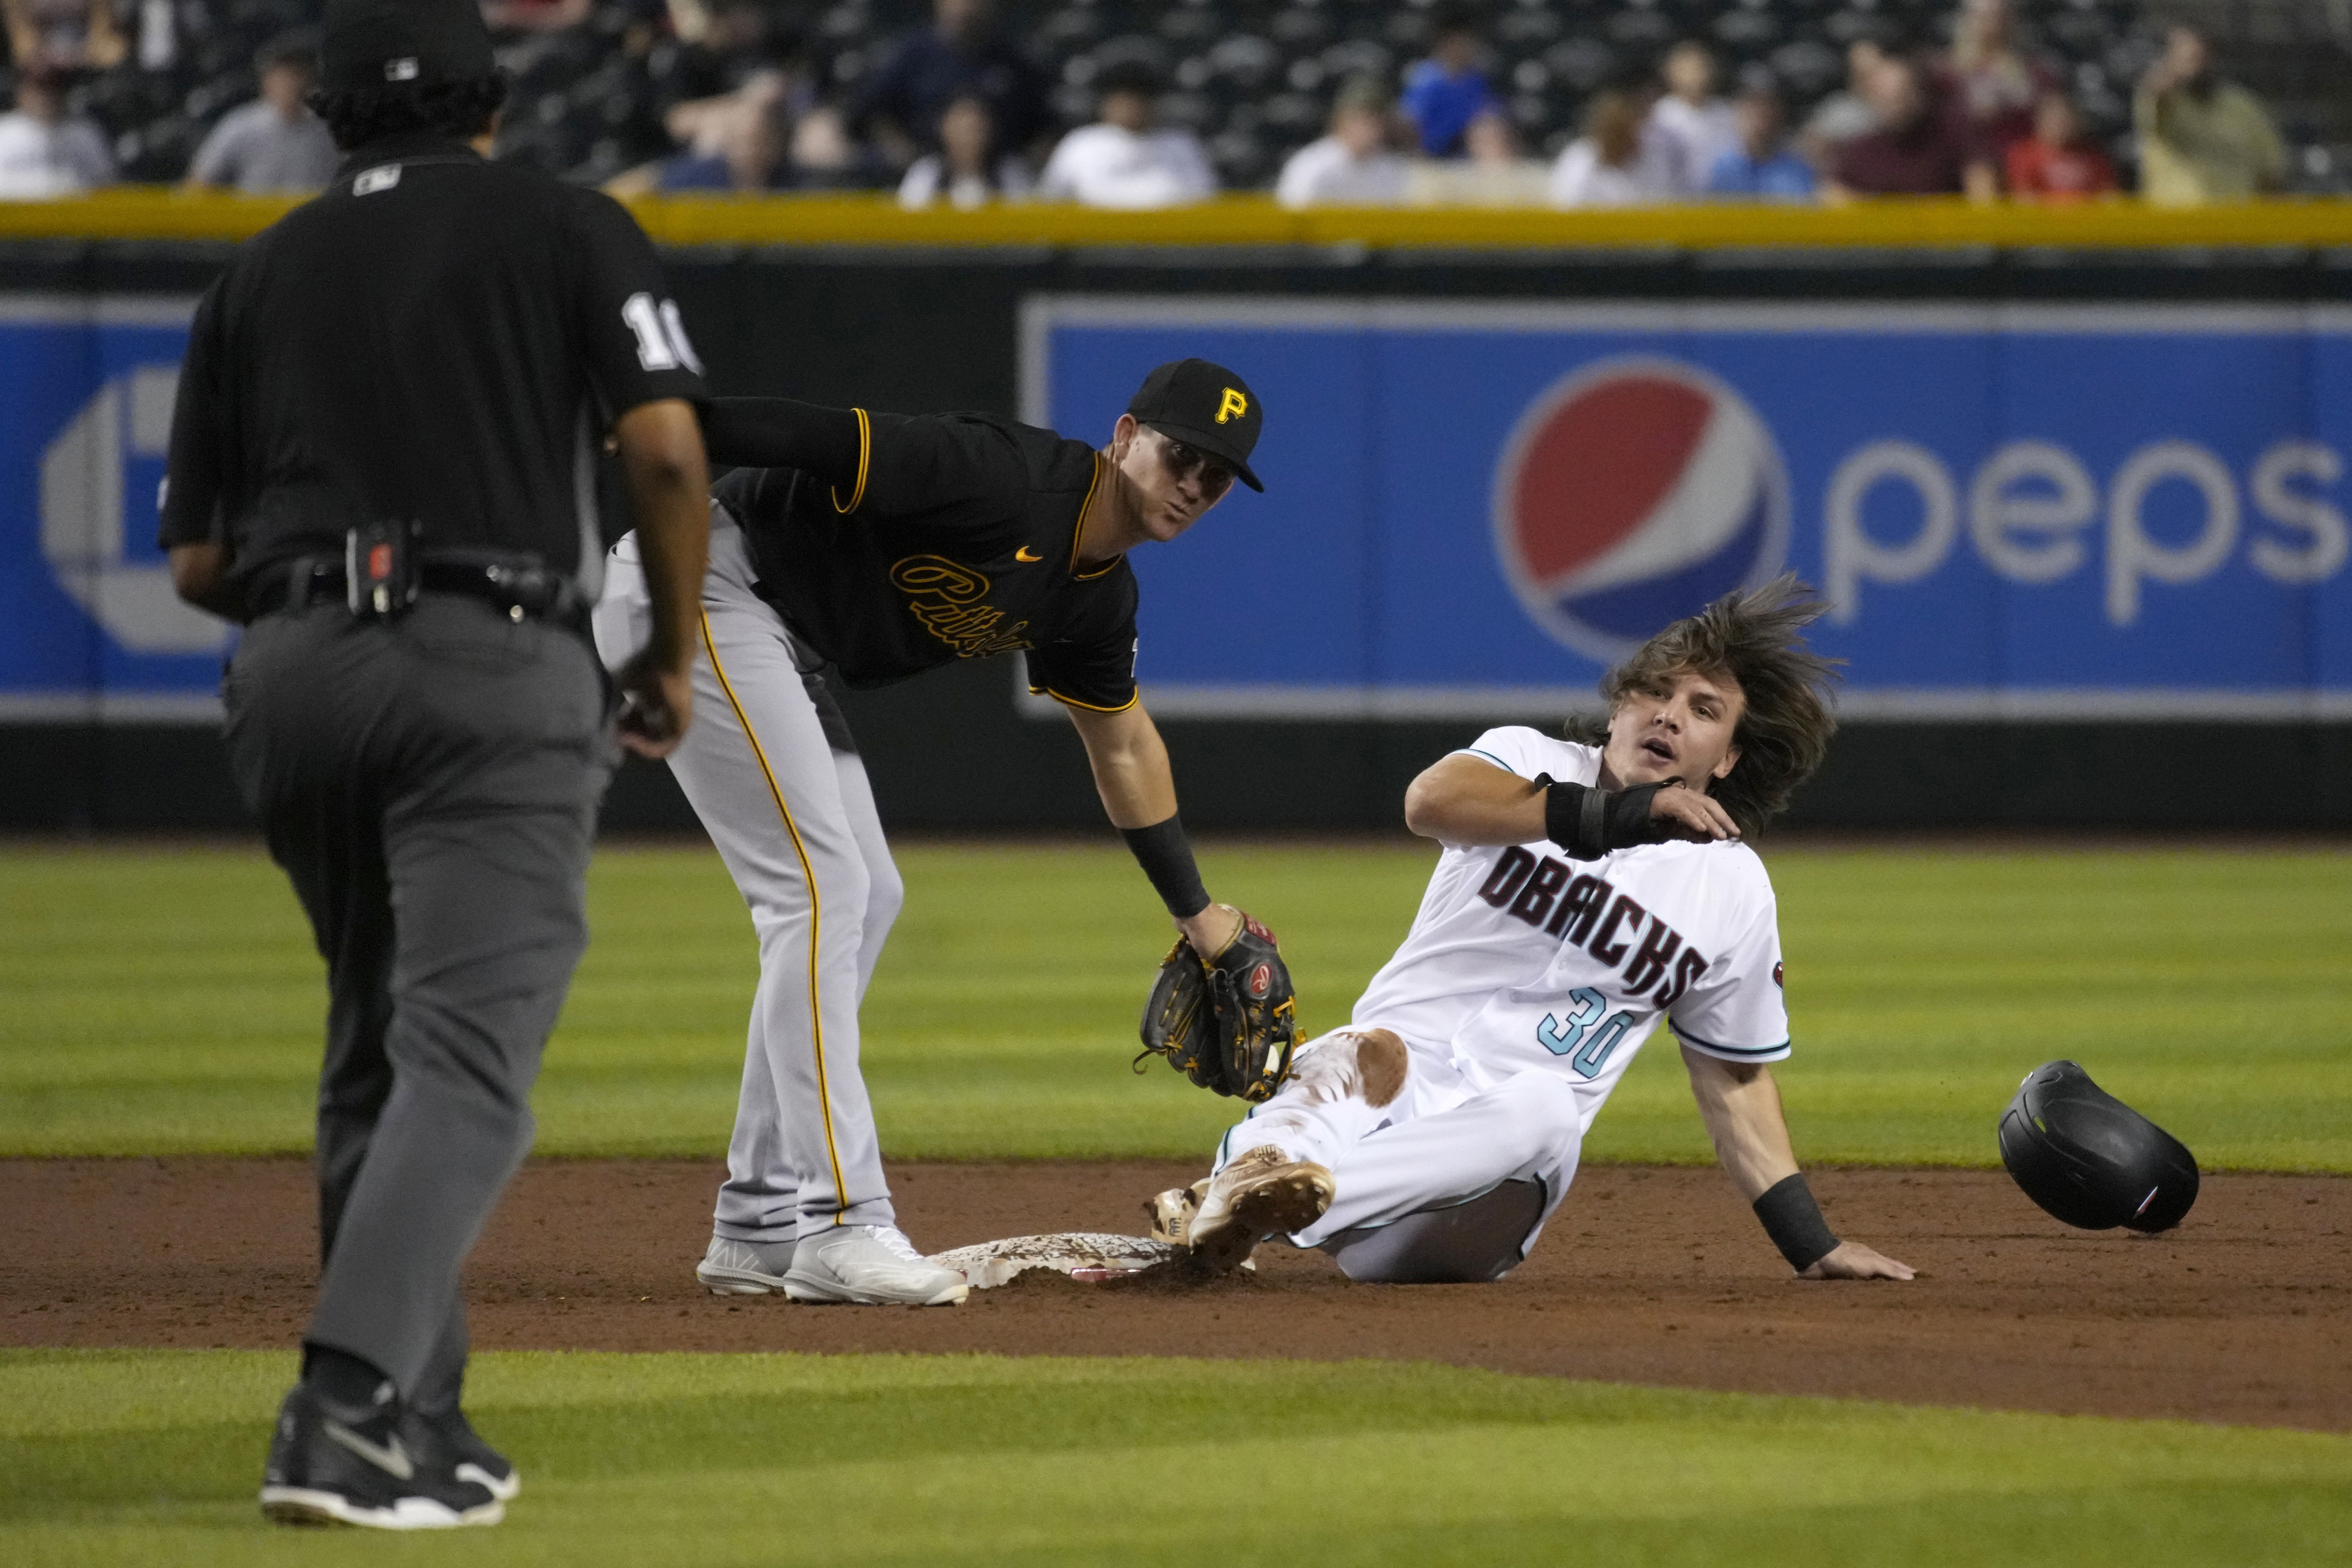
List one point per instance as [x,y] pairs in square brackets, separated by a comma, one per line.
[89,627]
[2021,511]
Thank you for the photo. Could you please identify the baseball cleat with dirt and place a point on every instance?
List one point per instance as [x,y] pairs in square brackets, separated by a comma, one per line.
[1171,1213]
[1262,1192]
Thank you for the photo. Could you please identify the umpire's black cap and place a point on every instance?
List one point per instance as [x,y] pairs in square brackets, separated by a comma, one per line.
[392,43]
[1203,405]
[2091,1160]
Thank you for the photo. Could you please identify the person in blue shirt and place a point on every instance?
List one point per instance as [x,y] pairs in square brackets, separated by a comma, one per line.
[1445,92]
[1762,164]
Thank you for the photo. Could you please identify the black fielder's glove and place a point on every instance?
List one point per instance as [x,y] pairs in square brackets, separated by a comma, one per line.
[1229,1024]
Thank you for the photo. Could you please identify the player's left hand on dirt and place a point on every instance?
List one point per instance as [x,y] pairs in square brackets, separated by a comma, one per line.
[1853,1260]
[1229,1024]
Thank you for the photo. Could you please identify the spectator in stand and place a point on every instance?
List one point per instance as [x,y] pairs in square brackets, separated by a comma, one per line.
[2202,138]
[44,152]
[274,143]
[964,170]
[1920,148]
[718,50]
[1353,165]
[749,137]
[1690,129]
[1445,92]
[68,34]
[1121,161]
[1989,83]
[1844,114]
[1605,167]
[534,15]
[961,54]
[1762,164]
[2055,164]
[1496,174]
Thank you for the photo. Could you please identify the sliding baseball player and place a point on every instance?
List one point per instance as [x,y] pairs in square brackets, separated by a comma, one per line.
[1590,889]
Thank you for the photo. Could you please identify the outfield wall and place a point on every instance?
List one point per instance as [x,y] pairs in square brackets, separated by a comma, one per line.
[2081,503]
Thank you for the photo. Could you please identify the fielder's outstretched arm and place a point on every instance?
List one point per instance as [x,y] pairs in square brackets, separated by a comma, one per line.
[1138,793]
[1741,1107]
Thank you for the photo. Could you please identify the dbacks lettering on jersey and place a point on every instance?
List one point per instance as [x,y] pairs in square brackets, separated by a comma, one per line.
[1586,910]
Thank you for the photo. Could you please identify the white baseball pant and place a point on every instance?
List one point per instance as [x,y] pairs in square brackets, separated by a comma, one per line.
[1435,1182]
[794,822]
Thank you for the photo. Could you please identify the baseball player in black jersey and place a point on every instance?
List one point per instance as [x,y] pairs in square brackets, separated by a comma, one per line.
[884,545]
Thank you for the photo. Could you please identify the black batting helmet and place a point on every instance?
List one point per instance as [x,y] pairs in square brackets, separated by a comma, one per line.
[2091,1160]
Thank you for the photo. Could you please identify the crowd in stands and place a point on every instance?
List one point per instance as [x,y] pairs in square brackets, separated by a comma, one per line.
[1119,103]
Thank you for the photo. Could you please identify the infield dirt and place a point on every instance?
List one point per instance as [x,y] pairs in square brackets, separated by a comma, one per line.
[1655,1276]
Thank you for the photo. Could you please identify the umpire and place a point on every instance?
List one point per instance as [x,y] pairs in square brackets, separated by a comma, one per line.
[382,463]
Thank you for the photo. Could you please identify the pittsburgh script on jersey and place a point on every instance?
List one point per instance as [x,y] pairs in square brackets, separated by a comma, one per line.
[945,596]
[1597,918]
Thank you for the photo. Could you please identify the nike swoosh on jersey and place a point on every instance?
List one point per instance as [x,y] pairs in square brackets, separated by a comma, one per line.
[390,1457]
[1026,553]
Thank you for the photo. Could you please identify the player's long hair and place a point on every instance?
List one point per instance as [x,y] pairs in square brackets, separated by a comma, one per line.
[1756,638]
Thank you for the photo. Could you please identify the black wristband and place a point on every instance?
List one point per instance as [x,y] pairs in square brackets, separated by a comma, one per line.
[1588,821]
[1793,1220]
[1166,857]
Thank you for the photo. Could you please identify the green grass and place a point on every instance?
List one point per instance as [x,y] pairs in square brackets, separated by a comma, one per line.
[168,1001]
[151,1456]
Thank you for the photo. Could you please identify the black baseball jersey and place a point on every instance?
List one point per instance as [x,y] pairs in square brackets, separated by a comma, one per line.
[436,339]
[951,536]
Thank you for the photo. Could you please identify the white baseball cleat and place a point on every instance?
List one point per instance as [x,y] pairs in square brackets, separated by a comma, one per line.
[873,1265]
[1259,1194]
[1171,1213]
[733,1268]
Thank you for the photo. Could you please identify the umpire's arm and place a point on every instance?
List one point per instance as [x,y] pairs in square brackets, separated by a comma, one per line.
[1138,790]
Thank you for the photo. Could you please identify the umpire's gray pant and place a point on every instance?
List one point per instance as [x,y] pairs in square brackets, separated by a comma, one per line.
[430,787]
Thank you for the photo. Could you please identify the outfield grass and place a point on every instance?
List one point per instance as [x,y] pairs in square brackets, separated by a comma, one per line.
[152,1457]
[168,1001]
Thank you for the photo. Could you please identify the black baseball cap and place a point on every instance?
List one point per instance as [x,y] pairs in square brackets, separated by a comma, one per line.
[390,43]
[1203,405]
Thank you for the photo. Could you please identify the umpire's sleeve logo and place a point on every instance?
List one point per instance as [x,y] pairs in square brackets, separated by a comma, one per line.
[1235,405]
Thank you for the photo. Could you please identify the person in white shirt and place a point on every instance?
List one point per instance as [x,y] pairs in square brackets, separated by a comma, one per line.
[44,153]
[1589,889]
[1353,165]
[274,143]
[1121,161]
[961,171]
[1609,167]
[1690,129]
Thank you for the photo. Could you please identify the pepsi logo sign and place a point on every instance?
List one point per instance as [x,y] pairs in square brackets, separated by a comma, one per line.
[1632,492]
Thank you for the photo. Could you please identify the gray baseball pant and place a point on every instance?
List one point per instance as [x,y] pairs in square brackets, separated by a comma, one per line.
[785,799]
[430,788]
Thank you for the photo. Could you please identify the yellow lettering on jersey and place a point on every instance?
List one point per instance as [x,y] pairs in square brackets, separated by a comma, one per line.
[1234,407]
[945,596]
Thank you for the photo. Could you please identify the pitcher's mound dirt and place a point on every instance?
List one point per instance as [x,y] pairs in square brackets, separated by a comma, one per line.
[1649,1276]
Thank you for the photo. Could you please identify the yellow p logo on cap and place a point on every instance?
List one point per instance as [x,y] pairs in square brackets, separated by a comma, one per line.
[1234,407]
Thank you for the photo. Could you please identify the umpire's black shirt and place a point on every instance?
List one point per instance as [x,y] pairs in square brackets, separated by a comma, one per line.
[436,339]
[896,542]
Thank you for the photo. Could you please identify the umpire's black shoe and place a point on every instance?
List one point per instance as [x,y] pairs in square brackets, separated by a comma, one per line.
[455,1444]
[381,1471]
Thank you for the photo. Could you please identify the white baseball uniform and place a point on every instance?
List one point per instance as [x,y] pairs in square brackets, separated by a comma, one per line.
[1524,989]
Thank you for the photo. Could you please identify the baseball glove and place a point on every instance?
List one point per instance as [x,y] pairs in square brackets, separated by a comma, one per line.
[1228,1025]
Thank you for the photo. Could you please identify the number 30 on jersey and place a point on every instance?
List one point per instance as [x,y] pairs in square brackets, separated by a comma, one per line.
[1587,1048]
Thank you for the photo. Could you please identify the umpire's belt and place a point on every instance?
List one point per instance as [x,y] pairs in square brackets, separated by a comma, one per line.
[523,588]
